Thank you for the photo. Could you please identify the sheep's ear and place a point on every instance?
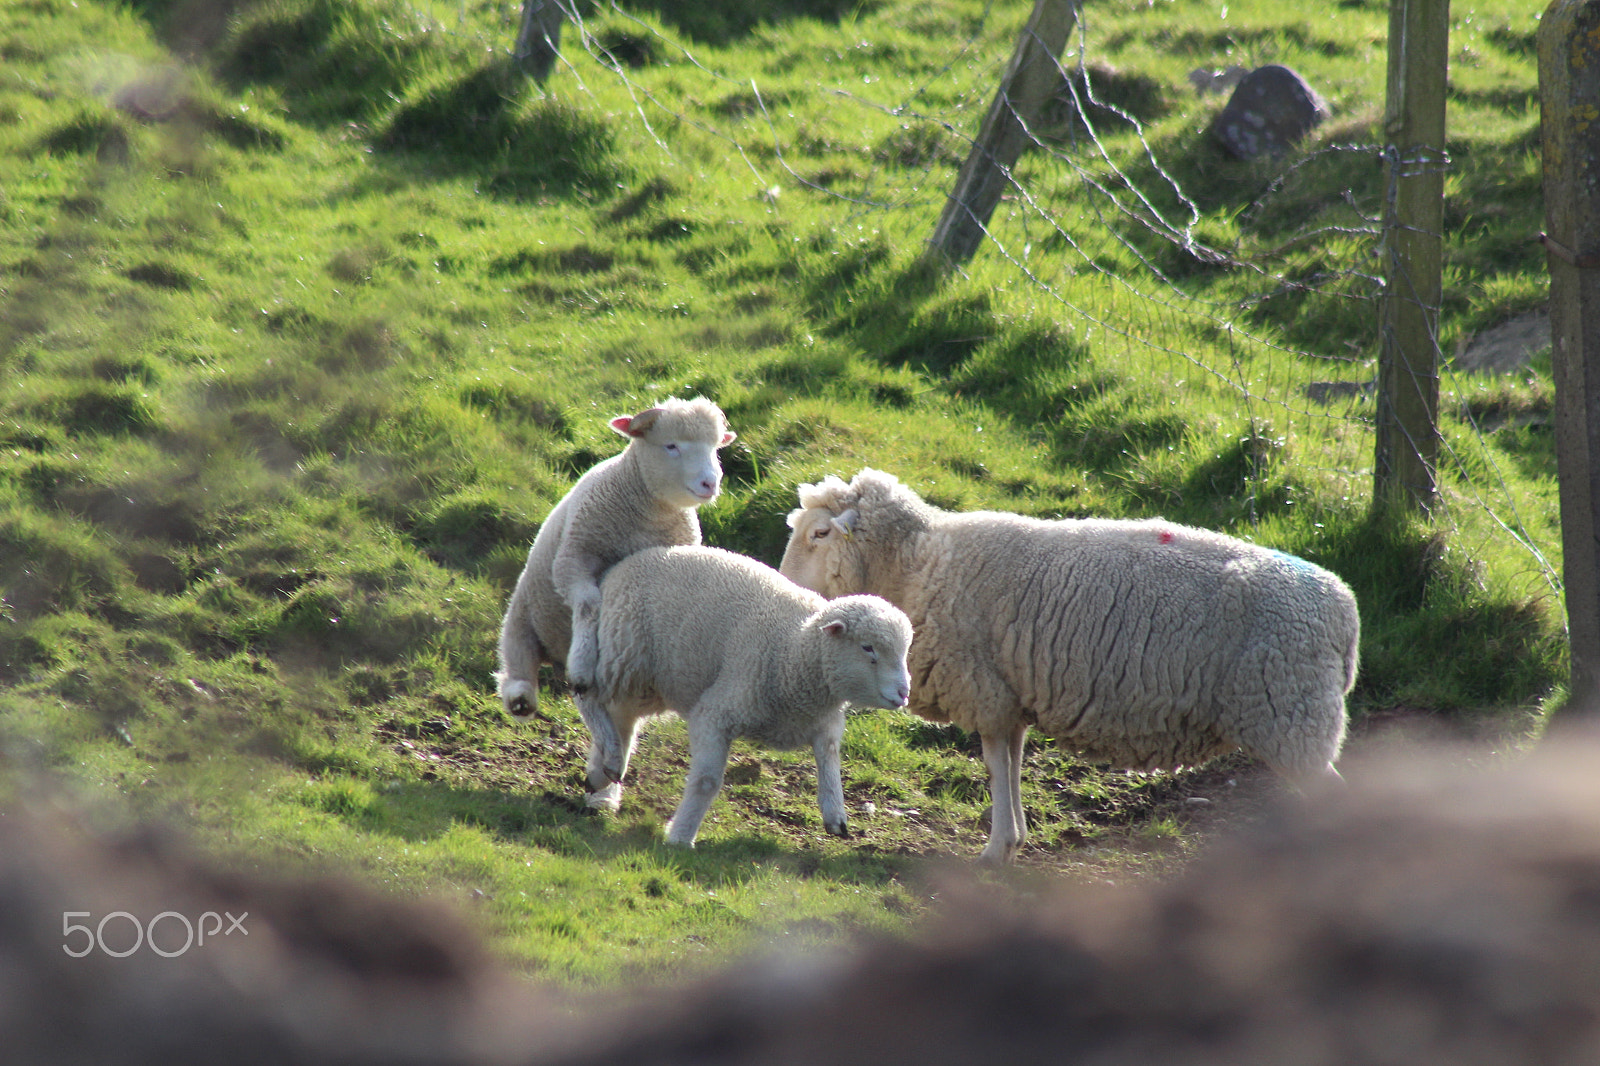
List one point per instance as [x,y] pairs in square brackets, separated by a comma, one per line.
[845,523]
[834,629]
[636,425]
[727,438]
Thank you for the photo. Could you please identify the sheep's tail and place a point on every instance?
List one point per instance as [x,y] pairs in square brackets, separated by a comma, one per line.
[1352,654]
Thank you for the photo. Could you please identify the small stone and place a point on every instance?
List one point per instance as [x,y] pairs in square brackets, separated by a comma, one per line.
[1271,109]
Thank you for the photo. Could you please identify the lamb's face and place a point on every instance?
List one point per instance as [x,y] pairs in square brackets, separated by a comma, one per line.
[868,640]
[819,556]
[678,452]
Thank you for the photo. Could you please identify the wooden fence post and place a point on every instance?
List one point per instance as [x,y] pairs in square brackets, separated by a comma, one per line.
[1031,80]
[539,38]
[1407,448]
[1569,105]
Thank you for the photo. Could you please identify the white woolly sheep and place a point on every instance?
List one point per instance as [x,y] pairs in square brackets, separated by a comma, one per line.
[1143,644]
[641,498]
[738,651]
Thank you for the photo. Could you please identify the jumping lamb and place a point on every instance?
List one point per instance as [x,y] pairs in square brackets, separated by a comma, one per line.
[643,497]
[1143,644]
[738,651]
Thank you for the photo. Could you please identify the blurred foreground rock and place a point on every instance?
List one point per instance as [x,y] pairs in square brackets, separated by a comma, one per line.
[1433,915]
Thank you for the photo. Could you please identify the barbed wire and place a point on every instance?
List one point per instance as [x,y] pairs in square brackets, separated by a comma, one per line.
[1259,367]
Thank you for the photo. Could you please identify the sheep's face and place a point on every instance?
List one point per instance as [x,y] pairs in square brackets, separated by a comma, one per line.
[820,555]
[867,640]
[676,445]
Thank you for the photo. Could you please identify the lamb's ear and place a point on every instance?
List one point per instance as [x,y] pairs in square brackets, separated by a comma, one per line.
[794,516]
[845,523]
[834,629]
[636,425]
[727,438]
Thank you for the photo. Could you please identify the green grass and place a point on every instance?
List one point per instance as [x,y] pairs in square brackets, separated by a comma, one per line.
[310,311]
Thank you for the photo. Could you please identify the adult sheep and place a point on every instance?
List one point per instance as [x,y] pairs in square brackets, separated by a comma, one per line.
[641,498]
[737,651]
[1142,644]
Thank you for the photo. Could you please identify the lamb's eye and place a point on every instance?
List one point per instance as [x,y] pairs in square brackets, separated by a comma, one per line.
[869,649]
[670,448]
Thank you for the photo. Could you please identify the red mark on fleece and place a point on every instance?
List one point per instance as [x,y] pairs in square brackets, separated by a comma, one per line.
[1166,536]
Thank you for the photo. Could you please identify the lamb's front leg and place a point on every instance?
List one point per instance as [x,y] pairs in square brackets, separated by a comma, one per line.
[708,758]
[583,656]
[830,787]
[576,576]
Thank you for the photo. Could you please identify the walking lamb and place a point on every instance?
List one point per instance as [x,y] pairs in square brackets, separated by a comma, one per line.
[738,651]
[1143,644]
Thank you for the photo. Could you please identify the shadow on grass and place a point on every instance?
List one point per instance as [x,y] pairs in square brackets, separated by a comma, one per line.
[557,823]
[726,22]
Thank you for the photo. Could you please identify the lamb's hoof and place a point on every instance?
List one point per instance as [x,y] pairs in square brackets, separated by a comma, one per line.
[521,699]
[840,830]
[608,799]
[994,860]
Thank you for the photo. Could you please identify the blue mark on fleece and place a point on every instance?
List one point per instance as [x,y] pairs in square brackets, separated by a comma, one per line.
[1293,560]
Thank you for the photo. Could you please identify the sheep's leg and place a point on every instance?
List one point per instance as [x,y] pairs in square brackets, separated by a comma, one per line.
[607,759]
[583,656]
[1319,781]
[607,769]
[708,758]
[1008,826]
[606,756]
[520,654]
[830,788]
[576,576]
[1019,745]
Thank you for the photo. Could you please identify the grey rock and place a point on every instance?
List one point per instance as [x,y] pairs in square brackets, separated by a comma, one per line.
[1506,347]
[1270,110]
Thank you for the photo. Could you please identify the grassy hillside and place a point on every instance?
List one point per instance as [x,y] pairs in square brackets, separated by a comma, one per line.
[311,309]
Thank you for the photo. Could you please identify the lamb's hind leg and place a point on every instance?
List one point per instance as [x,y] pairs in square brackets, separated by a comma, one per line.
[610,747]
[1008,825]
[708,758]
[517,680]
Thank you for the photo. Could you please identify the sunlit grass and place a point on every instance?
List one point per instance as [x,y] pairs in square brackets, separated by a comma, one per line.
[297,356]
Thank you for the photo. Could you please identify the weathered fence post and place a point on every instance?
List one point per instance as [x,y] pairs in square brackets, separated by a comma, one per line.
[1031,80]
[1408,377]
[1569,105]
[539,38]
